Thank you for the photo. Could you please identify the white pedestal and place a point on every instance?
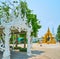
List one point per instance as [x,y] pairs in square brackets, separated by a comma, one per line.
[6,57]
[28,44]
[6,53]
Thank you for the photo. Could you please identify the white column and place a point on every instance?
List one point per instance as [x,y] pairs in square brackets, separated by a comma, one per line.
[28,43]
[31,41]
[6,53]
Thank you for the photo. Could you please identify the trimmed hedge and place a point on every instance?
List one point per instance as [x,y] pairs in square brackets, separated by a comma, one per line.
[17,47]
[21,49]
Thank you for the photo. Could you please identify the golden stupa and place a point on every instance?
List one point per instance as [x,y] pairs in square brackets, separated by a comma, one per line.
[48,38]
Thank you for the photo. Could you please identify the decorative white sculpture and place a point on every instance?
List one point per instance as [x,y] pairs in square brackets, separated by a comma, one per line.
[29,44]
[19,24]
[7,31]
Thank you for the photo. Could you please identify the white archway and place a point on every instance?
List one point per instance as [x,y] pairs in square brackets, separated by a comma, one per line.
[19,24]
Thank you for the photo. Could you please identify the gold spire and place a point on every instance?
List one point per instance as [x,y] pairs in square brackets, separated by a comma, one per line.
[48,38]
[48,30]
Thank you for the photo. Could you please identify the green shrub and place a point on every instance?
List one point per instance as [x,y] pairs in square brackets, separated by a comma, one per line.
[23,49]
[17,47]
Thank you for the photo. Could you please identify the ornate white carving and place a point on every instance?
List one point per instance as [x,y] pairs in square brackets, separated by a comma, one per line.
[19,24]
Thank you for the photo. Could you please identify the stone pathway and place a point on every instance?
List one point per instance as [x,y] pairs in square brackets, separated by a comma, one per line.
[19,55]
[23,55]
[37,53]
[1,55]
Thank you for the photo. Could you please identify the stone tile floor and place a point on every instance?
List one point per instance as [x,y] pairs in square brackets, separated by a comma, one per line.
[22,55]
[43,52]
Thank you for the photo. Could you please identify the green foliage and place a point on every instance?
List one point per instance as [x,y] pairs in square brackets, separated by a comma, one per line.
[23,6]
[58,32]
[16,13]
[5,9]
[25,11]
[1,12]
[13,37]
[17,47]
[21,49]
[31,18]
[24,39]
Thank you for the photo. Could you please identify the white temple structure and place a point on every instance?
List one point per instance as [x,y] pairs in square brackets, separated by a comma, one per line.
[20,25]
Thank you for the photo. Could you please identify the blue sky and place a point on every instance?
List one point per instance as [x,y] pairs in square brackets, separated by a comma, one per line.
[48,13]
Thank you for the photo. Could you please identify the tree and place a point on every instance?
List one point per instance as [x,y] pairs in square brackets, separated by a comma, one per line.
[58,33]
[31,18]
[25,11]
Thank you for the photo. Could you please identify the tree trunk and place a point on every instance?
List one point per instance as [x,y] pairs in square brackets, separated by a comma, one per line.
[25,41]
[16,41]
[59,41]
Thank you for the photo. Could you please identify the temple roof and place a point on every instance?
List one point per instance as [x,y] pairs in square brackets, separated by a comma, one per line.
[13,30]
[48,33]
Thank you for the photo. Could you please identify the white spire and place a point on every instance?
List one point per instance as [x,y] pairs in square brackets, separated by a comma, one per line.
[53,30]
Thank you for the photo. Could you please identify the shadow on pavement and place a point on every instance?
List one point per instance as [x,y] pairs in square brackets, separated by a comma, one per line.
[23,55]
[37,52]
[1,54]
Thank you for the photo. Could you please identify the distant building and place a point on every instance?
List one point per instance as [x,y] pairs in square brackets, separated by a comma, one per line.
[48,38]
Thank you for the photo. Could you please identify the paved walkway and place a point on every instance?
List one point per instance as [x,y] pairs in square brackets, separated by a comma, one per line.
[23,55]
[1,55]
[43,52]
[19,55]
